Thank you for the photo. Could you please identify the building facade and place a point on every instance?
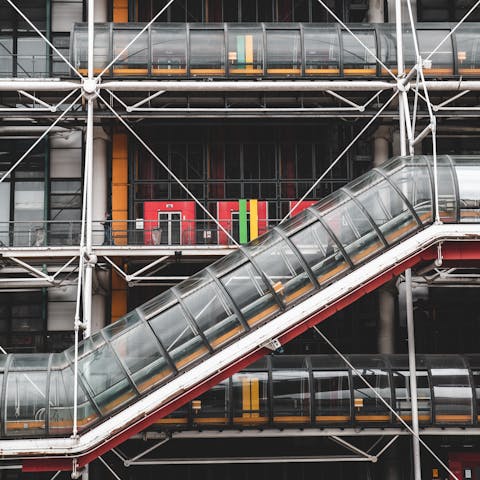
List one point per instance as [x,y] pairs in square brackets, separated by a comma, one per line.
[212,124]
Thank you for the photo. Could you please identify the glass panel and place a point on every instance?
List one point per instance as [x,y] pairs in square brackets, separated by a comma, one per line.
[213,314]
[245,51]
[413,180]
[61,401]
[134,60]
[121,325]
[250,293]
[282,268]
[141,356]
[451,390]
[26,395]
[6,57]
[169,51]
[29,212]
[332,396]
[80,47]
[403,406]
[447,202]
[442,60]
[385,206]
[157,304]
[468,50]
[354,231]
[212,406]
[291,396]
[181,342]
[250,398]
[388,47]
[322,52]
[468,175]
[31,57]
[104,376]
[283,52]
[367,406]
[320,252]
[101,49]
[356,59]
[207,52]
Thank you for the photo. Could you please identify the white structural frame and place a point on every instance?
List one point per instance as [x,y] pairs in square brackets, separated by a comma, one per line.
[90,90]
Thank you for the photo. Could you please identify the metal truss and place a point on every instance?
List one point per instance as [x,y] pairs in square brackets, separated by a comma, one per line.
[372,454]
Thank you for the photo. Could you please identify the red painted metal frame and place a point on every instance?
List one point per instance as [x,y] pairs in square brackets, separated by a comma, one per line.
[450,251]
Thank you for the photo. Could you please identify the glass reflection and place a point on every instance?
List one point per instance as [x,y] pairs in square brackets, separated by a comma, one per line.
[332,396]
[207,52]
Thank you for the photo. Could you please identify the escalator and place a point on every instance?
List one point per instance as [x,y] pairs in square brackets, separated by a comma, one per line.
[188,339]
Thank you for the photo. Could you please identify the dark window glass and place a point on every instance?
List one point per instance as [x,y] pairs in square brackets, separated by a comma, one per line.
[356,58]
[283,52]
[442,59]
[169,49]
[291,396]
[401,382]
[207,52]
[212,406]
[321,51]
[451,391]
[332,396]
[367,406]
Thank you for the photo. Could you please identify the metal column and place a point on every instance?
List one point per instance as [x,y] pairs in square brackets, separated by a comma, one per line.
[413,375]
[408,273]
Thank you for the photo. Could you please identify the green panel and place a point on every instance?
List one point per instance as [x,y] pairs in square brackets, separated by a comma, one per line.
[242,220]
[241,51]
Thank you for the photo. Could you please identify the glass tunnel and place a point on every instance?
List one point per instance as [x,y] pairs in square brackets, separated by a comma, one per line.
[322,391]
[221,304]
[274,50]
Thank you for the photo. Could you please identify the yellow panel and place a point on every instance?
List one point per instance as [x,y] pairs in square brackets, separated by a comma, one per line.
[129,71]
[360,71]
[248,71]
[282,71]
[322,71]
[253,219]
[119,197]
[119,296]
[246,401]
[120,11]
[249,51]
[119,188]
[169,71]
[255,400]
[207,71]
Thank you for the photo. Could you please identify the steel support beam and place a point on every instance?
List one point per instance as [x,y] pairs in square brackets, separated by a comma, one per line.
[417,469]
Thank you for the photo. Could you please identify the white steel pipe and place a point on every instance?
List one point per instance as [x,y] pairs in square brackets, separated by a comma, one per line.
[57,85]
[87,294]
[413,374]
[243,86]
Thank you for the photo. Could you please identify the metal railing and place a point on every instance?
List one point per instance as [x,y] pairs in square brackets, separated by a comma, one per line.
[139,232]
[25,66]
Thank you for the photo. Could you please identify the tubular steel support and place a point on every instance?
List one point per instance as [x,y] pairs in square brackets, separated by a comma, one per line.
[401,71]
[413,375]
[90,264]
